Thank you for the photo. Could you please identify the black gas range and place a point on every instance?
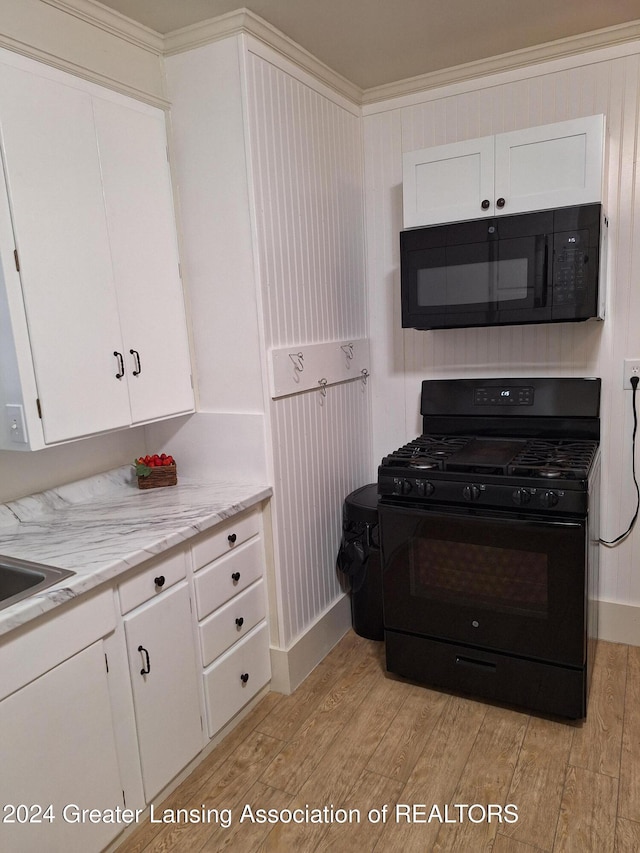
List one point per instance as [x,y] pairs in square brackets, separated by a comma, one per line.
[489,535]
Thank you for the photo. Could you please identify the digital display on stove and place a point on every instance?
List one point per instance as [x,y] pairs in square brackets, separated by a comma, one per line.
[506,395]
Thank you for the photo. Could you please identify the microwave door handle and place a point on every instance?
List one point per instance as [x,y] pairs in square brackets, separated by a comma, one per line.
[542,282]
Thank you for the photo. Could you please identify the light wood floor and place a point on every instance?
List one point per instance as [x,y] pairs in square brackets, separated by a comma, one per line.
[353,737]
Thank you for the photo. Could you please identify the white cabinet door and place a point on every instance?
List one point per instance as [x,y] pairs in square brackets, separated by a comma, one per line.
[139,203]
[448,183]
[55,196]
[554,165]
[57,748]
[164,677]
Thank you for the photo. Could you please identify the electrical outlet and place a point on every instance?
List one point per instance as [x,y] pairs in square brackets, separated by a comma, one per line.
[15,420]
[631,368]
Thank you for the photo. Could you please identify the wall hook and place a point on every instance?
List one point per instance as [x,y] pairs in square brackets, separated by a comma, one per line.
[347,349]
[365,375]
[323,386]
[298,360]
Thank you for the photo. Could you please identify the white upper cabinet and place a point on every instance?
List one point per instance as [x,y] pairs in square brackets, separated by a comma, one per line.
[95,297]
[555,165]
[59,223]
[137,191]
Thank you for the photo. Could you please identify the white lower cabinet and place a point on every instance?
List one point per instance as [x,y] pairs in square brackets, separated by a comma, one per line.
[236,677]
[231,607]
[164,679]
[100,710]
[57,744]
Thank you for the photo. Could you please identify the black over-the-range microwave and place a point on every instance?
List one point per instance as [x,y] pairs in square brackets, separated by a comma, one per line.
[538,267]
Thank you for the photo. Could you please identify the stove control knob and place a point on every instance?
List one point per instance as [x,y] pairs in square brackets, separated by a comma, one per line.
[424,488]
[521,497]
[402,486]
[548,499]
[471,493]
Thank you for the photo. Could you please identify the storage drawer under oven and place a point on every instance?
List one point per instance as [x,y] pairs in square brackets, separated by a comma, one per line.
[538,686]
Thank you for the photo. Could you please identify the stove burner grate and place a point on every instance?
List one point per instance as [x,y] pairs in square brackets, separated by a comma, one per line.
[554,458]
[427,452]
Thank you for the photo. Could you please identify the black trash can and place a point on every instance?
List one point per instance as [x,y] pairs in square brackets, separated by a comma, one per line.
[359,560]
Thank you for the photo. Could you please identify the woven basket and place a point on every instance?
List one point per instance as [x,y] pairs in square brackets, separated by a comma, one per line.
[166,475]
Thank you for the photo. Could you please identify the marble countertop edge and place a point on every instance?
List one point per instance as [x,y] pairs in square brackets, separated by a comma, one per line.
[100,551]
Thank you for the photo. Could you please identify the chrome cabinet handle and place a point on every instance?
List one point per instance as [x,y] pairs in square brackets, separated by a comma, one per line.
[136,356]
[120,373]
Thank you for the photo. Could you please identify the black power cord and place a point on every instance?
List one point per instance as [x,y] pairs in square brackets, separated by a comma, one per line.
[634,384]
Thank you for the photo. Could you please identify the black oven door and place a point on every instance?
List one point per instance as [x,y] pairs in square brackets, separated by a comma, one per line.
[495,582]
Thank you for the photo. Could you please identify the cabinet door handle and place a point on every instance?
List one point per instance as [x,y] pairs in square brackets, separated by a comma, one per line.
[159,581]
[120,372]
[244,677]
[145,669]
[240,622]
[136,356]
[485,204]
[235,577]
[500,203]
[232,538]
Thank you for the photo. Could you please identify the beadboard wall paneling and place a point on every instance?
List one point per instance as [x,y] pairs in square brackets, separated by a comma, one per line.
[307,168]
[402,358]
[319,457]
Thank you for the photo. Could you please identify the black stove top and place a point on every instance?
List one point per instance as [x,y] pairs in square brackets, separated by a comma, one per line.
[515,444]
[548,459]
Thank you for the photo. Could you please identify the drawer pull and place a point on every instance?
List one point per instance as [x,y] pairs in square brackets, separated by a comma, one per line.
[232,538]
[240,622]
[235,577]
[159,581]
[244,677]
[145,669]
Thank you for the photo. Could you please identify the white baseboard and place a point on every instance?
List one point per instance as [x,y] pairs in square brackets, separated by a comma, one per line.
[619,623]
[289,667]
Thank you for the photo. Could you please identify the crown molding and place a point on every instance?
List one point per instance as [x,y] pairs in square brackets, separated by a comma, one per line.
[245,21]
[112,22]
[560,49]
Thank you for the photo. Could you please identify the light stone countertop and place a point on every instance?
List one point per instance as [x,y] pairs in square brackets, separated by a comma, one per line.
[103,526]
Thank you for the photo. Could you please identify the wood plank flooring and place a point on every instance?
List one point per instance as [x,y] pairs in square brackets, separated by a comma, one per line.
[415,769]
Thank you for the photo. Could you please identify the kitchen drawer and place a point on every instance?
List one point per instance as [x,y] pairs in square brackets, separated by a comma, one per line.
[236,677]
[232,622]
[228,576]
[157,576]
[225,538]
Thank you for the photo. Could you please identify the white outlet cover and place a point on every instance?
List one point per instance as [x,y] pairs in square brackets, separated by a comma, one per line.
[631,368]
[16,422]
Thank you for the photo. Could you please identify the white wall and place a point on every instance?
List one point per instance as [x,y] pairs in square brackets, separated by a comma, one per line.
[269,173]
[602,82]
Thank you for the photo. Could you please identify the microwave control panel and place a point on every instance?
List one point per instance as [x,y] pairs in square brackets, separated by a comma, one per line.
[571,256]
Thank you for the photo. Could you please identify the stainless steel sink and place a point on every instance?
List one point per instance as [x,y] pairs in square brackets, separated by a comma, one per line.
[20,578]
